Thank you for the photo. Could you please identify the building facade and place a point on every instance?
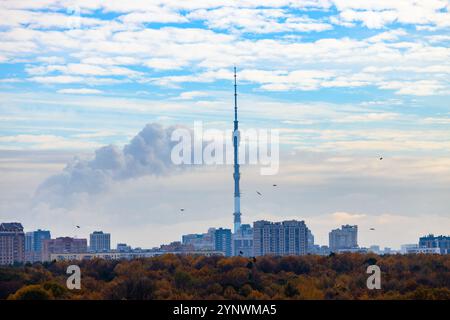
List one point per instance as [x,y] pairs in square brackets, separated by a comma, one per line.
[222,241]
[33,244]
[123,247]
[200,241]
[243,241]
[375,249]
[114,255]
[280,238]
[344,238]
[422,250]
[310,247]
[176,246]
[12,243]
[440,242]
[62,245]
[99,241]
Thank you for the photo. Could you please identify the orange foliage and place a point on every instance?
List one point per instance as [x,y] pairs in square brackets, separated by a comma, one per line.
[340,276]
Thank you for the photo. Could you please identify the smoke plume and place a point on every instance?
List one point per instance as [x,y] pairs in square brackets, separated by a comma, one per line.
[148,153]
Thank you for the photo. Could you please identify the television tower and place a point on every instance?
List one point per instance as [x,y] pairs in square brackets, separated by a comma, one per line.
[236,174]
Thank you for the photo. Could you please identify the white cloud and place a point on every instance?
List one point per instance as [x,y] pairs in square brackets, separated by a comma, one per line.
[391,35]
[43,20]
[189,95]
[404,193]
[345,217]
[379,13]
[51,60]
[74,79]
[257,20]
[10,80]
[158,14]
[102,48]
[83,69]
[80,91]
[43,142]
[417,88]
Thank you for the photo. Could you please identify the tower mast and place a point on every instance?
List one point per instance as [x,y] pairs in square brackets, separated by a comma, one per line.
[236,174]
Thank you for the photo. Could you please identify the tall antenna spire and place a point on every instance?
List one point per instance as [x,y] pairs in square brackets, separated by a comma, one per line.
[235,95]
[236,174]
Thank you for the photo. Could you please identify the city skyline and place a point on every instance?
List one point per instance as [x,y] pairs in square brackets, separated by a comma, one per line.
[359,98]
[345,237]
[263,238]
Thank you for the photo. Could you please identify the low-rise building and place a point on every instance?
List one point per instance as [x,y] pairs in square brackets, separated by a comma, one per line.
[423,250]
[62,245]
[176,246]
[375,249]
[404,248]
[123,247]
[114,255]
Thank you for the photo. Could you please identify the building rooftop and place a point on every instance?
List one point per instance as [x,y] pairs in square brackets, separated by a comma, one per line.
[11,226]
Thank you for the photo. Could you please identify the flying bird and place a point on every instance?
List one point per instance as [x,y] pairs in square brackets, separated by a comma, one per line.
[259,193]
[241,253]
[274,185]
[78,227]
[381,158]
[372,229]
[182,209]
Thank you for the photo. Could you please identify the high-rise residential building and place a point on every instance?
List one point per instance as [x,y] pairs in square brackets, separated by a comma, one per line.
[200,241]
[344,238]
[62,245]
[243,241]
[28,242]
[12,243]
[431,241]
[99,241]
[280,238]
[33,244]
[222,241]
[310,248]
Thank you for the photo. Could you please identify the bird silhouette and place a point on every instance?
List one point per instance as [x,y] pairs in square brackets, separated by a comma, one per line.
[372,229]
[78,227]
[182,209]
[259,193]
[381,158]
[274,185]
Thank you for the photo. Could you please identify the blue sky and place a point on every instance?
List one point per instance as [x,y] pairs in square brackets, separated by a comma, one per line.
[339,78]
[145,52]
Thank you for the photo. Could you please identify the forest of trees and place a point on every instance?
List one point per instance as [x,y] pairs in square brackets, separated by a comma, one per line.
[340,276]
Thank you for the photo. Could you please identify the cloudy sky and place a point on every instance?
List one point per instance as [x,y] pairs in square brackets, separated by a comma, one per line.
[89,91]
